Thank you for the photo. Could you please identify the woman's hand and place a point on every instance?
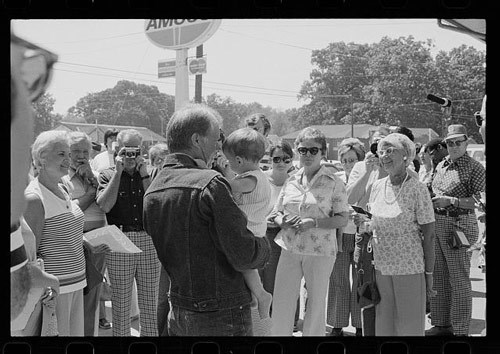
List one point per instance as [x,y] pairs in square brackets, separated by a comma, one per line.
[101,248]
[359,219]
[429,285]
[305,224]
[287,221]
[372,162]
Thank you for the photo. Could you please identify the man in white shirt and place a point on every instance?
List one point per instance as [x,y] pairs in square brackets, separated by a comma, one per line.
[106,158]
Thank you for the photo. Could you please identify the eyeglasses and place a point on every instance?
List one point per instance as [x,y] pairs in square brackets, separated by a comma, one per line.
[346,161]
[36,67]
[389,151]
[278,159]
[456,143]
[304,150]
[478,118]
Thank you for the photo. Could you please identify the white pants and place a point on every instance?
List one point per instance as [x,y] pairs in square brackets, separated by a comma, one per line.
[69,312]
[316,271]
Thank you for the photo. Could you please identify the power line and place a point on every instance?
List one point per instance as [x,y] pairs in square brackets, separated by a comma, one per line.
[149,74]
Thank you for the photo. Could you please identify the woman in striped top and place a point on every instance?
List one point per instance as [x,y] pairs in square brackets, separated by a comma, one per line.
[57,223]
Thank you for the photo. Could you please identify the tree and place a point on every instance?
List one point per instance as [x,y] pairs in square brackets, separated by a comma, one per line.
[388,83]
[462,79]
[232,113]
[43,108]
[128,103]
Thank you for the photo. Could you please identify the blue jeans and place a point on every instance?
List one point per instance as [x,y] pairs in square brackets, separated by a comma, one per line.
[229,322]
[163,306]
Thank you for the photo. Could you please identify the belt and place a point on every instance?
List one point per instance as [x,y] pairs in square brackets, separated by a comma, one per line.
[129,228]
[453,213]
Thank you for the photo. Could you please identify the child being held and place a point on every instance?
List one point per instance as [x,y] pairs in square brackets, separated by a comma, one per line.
[244,148]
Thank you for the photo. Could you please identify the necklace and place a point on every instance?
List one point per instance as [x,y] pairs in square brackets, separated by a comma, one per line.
[397,196]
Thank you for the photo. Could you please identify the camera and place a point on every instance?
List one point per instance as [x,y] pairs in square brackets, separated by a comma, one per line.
[132,152]
[373,149]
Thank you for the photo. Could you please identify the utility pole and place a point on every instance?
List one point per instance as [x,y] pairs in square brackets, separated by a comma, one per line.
[197,82]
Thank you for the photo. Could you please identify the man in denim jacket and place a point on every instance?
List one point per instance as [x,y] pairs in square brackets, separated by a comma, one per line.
[199,232]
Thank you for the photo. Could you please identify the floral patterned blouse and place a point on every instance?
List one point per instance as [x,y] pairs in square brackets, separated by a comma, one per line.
[397,239]
[323,197]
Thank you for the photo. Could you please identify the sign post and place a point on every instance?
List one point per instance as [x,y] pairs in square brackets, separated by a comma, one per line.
[180,35]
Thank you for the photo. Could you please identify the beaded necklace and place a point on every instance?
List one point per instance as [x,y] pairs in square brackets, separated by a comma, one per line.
[400,190]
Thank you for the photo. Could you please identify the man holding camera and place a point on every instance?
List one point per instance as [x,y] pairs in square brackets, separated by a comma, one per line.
[120,195]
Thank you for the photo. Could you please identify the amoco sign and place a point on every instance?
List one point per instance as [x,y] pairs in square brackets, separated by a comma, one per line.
[180,33]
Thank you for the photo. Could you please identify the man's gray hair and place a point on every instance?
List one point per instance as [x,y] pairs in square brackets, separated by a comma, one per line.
[191,119]
[403,142]
[76,137]
[131,132]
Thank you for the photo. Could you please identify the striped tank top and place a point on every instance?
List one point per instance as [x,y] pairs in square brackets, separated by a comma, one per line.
[61,244]
[255,204]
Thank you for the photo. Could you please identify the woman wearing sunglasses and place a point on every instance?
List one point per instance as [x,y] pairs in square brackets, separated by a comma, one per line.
[281,156]
[342,299]
[312,204]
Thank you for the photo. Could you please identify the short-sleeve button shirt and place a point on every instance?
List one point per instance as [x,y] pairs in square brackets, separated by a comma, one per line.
[324,196]
[461,178]
[397,240]
[128,207]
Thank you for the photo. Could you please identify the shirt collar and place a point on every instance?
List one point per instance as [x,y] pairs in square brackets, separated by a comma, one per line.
[461,160]
[323,171]
[71,172]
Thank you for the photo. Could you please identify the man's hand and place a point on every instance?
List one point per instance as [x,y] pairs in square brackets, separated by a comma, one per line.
[441,201]
[119,161]
[141,166]
[85,171]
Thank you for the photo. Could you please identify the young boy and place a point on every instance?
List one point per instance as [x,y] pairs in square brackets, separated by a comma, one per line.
[244,148]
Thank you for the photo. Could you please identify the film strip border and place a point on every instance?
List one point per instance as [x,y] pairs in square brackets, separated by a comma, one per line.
[246,8]
[251,346]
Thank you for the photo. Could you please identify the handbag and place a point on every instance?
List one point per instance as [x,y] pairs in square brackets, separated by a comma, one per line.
[367,291]
[105,291]
[93,276]
[458,240]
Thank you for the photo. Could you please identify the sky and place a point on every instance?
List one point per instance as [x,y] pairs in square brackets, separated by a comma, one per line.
[249,60]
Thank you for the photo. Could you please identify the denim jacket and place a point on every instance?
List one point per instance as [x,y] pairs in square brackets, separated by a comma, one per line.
[200,236]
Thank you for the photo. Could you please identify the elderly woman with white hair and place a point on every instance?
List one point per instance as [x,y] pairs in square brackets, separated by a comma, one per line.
[57,223]
[403,241]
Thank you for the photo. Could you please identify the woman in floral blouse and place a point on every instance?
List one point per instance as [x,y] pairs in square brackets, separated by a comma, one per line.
[403,241]
[311,206]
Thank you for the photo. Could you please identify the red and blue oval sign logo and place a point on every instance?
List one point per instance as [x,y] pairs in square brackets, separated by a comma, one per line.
[180,33]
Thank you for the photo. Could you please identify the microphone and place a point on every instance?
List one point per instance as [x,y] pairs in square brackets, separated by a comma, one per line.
[442,101]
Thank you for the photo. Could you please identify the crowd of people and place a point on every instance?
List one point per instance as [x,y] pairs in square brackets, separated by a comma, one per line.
[231,232]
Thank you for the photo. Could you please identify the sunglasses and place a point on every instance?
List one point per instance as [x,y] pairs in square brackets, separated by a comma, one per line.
[478,118]
[456,143]
[36,68]
[346,161]
[303,150]
[278,159]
